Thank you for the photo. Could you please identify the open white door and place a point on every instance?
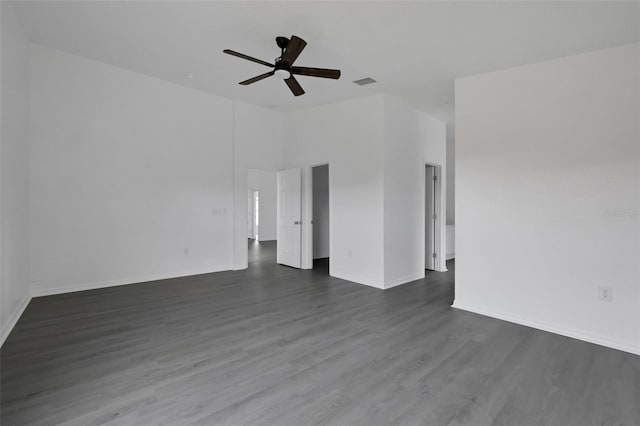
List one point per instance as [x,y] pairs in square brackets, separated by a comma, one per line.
[289,223]
[430,218]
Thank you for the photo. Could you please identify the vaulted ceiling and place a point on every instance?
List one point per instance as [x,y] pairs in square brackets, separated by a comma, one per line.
[414,50]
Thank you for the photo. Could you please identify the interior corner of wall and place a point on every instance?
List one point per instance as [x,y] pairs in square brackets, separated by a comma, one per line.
[13,318]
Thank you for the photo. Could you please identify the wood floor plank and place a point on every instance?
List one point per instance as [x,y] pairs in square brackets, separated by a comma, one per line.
[272,345]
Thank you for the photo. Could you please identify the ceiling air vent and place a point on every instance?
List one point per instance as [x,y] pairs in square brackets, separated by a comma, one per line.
[364,81]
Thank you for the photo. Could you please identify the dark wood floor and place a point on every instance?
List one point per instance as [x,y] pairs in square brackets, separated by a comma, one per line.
[277,346]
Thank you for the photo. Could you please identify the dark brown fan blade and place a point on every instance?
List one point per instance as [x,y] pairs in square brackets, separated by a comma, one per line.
[248,58]
[316,72]
[293,50]
[295,87]
[257,78]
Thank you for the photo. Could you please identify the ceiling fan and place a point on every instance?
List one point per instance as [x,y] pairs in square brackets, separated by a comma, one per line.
[283,67]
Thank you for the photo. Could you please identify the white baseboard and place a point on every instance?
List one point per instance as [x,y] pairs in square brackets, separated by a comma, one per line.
[13,319]
[354,279]
[403,280]
[575,334]
[384,286]
[38,290]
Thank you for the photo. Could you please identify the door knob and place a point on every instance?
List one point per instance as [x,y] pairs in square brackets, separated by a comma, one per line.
[297,222]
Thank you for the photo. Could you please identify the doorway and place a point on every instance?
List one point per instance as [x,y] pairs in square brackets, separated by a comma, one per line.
[261,216]
[253,219]
[320,217]
[432,217]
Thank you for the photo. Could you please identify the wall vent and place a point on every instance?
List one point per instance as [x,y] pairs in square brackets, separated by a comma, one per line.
[364,81]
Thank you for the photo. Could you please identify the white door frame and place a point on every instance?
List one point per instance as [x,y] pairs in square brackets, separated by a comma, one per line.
[251,213]
[307,258]
[440,264]
[430,225]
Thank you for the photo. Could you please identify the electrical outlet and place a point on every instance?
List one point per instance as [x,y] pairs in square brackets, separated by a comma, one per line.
[605,294]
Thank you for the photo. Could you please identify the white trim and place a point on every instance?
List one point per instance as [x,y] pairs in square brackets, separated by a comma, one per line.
[440,207]
[403,280]
[38,290]
[13,319]
[240,267]
[575,334]
[356,280]
[307,261]
[306,204]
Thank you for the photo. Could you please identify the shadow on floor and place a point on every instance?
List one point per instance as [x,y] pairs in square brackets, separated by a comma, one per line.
[263,253]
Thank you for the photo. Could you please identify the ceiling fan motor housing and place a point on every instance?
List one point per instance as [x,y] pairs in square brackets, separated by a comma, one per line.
[282,69]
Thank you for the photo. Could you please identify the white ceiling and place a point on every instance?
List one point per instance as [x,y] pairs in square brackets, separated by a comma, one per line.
[415,50]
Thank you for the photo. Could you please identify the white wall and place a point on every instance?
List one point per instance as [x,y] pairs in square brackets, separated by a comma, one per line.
[377,198]
[258,144]
[349,136]
[412,139]
[131,177]
[134,178]
[320,181]
[265,181]
[451,241]
[548,177]
[451,179]
[14,167]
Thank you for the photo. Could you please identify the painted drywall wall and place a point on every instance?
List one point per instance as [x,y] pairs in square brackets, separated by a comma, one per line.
[265,182]
[320,182]
[131,177]
[412,139]
[349,136]
[14,167]
[451,242]
[451,179]
[139,178]
[258,144]
[377,201]
[548,175]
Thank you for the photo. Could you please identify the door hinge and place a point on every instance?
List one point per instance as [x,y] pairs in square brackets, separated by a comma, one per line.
[435,216]
[434,255]
[435,177]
